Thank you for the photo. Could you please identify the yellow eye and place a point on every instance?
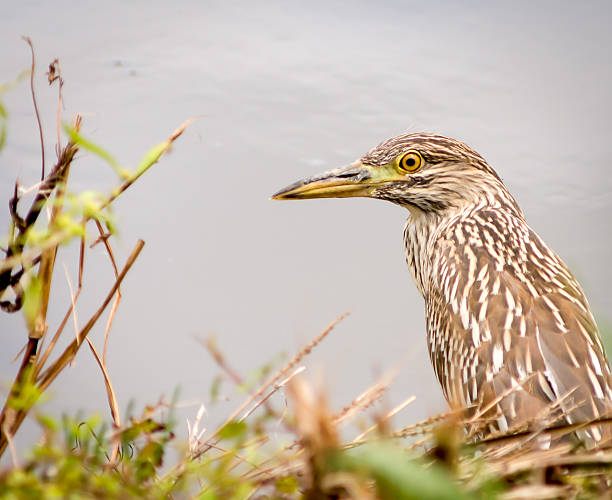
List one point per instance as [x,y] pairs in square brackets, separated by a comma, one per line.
[410,162]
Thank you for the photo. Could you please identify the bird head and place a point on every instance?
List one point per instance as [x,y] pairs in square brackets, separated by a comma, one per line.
[422,172]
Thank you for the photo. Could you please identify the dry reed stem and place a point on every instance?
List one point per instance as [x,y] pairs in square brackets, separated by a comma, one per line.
[37,328]
[72,303]
[315,429]
[239,458]
[109,323]
[115,305]
[47,259]
[423,426]
[217,356]
[271,380]
[51,373]
[13,451]
[360,403]
[58,332]
[276,387]
[10,425]
[506,393]
[44,256]
[112,399]
[110,392]
[384,419]
[366,399]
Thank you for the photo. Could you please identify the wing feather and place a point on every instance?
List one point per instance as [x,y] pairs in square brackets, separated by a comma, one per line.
[506,317]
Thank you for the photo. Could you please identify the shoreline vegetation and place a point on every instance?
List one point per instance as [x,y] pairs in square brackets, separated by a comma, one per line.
[443,457]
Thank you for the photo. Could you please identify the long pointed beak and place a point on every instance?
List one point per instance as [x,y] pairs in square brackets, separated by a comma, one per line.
[351,181]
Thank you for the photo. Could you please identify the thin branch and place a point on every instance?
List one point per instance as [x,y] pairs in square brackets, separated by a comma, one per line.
[42,140]
[72,303]
[115,305]
[150,161]
[43,359]
[15,255]
[110,392]
[211,346]
[54,74]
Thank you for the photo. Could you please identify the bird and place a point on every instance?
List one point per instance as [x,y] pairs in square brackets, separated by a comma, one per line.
[510,333]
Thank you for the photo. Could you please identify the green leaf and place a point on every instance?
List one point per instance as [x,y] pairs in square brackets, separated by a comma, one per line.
[207,495]
[84,143]
[153,452]
[398,476]
[32,301]
[215,389]
[8,86]
[3,128]
[287,484]
[47,422]
[233,430]
[151,157]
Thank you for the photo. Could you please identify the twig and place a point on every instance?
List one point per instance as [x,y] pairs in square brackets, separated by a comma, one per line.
[72,303]
[54,370]
[42,140]
[159,151]
[115,305]
[15,255]
[218,357]
[110,392]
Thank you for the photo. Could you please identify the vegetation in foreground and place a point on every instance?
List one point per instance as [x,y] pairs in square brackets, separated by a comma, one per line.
[243,458]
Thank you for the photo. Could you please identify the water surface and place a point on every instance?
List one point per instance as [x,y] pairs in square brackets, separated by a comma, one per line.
[287,89]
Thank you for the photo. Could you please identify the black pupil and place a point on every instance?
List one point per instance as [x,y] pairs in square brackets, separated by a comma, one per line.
[410,162]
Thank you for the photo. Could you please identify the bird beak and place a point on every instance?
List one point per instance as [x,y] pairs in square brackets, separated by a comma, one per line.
[351,181]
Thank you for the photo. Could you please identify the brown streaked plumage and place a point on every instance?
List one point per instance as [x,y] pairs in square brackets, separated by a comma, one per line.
[509,330]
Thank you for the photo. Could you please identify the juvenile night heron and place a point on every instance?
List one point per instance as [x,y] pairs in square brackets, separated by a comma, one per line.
[509,330]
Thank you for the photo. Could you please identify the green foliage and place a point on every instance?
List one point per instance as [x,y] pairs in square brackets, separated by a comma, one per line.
[32,301]
[73,461]
[90,146]
[233,430]
[3,113]
[399,475]
[77,459]
[3,119]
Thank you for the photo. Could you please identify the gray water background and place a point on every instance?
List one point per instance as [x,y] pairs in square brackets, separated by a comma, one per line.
[285,90]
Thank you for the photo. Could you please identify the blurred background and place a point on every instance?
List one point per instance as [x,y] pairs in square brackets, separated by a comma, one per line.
[286,89]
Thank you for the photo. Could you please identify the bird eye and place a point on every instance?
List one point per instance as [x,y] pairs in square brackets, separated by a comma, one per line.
[410,162]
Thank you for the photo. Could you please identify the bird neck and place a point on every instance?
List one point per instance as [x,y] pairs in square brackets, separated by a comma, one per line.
[420,233]
[423,230]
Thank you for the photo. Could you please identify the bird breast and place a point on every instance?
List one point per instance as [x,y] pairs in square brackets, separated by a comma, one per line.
[505,316]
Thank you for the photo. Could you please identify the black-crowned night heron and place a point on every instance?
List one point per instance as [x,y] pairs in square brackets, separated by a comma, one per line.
[509,330]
